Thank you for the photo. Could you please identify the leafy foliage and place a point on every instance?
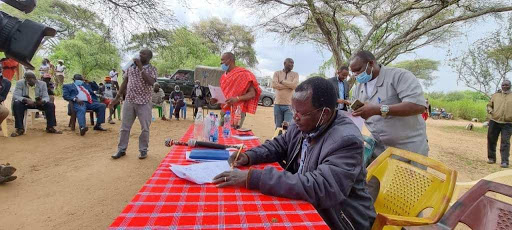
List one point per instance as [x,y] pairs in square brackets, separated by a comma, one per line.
[224,36]
[421,68]
[88,54]
[463,104]
[486,63]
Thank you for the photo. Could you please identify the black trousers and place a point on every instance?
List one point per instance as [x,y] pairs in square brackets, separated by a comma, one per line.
[494,131]
[19,109]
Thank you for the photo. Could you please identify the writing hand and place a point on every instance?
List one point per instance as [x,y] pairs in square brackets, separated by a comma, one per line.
[243,160]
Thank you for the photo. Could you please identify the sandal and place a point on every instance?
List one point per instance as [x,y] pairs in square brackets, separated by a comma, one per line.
[6,170]
[53,130]
[18,132]
[7,179]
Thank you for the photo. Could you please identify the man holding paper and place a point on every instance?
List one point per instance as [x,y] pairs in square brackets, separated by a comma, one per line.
[239,86]
[321,157]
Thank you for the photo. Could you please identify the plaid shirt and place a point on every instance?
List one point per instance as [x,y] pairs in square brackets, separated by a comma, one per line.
[138,91]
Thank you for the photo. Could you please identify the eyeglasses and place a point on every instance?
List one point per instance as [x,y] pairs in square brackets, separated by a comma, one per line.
[295,113]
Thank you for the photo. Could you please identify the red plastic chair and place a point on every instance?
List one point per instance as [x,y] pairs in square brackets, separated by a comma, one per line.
[477,210]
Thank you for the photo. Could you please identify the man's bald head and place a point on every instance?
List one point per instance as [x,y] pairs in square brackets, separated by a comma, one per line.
[288,64]
[30,78]
[228,59]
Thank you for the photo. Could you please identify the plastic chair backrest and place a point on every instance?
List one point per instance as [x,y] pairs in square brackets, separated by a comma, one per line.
[406,190]
[479,211]
[503,177]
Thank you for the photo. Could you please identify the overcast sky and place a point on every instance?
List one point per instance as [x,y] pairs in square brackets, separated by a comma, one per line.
[271,51]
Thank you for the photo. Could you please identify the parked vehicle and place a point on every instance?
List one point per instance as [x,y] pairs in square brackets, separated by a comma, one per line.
[266,98]
[186,80]
[441,114]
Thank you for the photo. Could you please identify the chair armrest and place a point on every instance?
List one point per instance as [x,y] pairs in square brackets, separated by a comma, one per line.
[403,221]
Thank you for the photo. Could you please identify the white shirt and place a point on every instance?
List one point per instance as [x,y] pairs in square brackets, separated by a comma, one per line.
[113,75]
[81,95]
[60,69]
[370,86]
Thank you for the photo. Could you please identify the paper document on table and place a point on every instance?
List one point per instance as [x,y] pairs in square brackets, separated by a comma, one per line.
[359,121]
[217,94]
[245,138]
[200,173]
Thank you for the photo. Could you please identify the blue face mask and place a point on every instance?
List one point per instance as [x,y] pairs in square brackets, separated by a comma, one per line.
[79,82]
[364,77]
[224,67]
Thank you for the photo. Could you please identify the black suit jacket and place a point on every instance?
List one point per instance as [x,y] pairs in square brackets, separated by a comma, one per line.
[334,81]
[4,88]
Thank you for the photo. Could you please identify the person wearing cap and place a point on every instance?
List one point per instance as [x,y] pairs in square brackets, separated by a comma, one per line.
[107,93]
[198,96]
[31,93]
[176,99]
[59,73]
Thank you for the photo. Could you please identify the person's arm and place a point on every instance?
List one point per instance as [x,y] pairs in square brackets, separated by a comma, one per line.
[250,94]
[292,84]
[66,94]
[44,91]
[124,86]
[409,92]
[149,76]
[490,105]
[5,91]
[18,91]
[275,82]
[328,185]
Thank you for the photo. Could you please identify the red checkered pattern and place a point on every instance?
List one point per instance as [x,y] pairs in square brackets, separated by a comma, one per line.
[169,202]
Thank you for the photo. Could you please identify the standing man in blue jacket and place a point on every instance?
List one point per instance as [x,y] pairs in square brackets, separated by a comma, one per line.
[84,98]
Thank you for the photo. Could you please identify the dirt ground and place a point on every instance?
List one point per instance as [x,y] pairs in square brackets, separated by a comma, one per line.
[70,182]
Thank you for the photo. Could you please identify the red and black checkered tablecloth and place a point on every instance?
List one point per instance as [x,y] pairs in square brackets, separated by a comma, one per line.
[169,202]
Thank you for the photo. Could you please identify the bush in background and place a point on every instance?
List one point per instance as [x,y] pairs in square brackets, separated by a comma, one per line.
[462,104]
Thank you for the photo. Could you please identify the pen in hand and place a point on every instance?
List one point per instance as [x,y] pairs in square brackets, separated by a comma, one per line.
[236,158]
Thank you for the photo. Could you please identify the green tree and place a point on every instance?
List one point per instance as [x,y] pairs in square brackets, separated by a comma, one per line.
[88,54]
[421,68]
[224,36]
[486,63]
[386,28]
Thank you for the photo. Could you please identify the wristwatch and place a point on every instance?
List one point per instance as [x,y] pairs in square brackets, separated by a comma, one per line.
[384,110]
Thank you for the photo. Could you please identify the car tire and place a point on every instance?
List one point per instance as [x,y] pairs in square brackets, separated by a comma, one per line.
[267,101]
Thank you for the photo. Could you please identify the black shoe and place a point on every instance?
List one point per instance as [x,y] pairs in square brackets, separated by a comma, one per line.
[83,131]
[118,155]
[504,165]
[99,128]
[143,155]
[491,161]
[7,179]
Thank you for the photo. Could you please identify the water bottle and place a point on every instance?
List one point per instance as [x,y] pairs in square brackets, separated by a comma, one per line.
[199,126]
[216,130]
[226,129]
[207,128]
[237,117]
[212,127]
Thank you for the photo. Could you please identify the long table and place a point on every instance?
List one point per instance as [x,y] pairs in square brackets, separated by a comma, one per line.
[169,202]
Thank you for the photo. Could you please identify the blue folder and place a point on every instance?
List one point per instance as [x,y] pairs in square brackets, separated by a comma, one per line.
[209,154]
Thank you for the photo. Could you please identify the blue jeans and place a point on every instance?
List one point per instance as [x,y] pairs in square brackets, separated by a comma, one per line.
[282,113]
[98,108]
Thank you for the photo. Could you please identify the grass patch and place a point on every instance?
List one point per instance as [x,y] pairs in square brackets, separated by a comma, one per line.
[479,130]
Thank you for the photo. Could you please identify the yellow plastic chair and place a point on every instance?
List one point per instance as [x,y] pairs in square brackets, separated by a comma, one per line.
[503,177]
[406,190]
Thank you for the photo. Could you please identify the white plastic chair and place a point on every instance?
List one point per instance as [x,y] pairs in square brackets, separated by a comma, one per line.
[33,114]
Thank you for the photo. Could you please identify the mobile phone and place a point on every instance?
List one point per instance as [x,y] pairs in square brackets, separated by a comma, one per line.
[356,105]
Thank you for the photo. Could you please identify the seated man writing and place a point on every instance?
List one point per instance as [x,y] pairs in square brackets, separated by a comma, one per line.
[321,155]
[31,93]
[84,98]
